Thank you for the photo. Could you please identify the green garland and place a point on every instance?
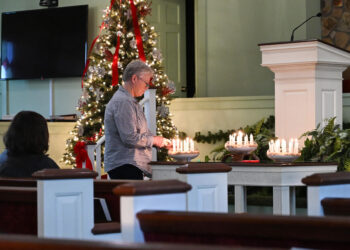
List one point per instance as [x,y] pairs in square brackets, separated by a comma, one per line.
[263,131]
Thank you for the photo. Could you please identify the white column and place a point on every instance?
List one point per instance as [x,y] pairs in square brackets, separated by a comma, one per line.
[281,200]
[308,84]
[240,199]
[151,115]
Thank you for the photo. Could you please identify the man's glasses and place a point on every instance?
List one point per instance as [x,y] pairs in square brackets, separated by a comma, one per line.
[148,84]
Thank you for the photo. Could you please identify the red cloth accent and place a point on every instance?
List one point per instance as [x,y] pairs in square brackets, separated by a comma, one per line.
[115,76]
[81,155]
[251,161]
[137,31]
[92,45]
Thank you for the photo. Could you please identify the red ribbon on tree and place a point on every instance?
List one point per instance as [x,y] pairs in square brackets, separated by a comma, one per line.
[137,31]
[81,155]
[92,45]
[115,76]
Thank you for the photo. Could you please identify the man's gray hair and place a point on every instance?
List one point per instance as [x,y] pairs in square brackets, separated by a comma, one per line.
[135,67]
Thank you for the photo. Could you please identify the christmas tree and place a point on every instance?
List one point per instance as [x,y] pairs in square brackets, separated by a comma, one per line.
[125,35]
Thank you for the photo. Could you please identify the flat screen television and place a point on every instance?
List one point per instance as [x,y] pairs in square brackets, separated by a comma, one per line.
[44,43]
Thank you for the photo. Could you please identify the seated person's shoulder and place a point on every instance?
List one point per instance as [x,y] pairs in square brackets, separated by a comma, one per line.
[50,163]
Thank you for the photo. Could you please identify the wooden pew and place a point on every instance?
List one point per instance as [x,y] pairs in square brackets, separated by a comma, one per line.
[137,195]
[17,182]
[18,210]
[245,229]
[325,185]
[20,242]
[336,206]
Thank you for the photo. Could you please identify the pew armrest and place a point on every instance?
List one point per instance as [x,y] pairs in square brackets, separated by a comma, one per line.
[152,188]
[323,179]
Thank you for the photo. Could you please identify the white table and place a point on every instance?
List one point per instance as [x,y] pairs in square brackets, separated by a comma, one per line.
[282,177]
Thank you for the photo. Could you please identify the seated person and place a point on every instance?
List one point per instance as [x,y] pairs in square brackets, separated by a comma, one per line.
[3,156]
[26,141]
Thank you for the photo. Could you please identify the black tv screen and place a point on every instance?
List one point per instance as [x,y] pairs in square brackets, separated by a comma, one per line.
[44,43]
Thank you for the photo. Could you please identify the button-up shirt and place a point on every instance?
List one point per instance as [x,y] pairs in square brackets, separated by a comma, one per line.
[128,139]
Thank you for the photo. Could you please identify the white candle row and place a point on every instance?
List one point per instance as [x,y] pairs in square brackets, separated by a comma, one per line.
[238,140]
[186,145]
[280,146]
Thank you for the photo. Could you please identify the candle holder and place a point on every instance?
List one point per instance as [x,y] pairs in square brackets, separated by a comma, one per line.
[283,157]
[279,152]
[183,156]
[239,151]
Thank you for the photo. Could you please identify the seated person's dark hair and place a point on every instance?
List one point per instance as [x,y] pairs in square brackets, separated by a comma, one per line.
[27,142]
[27,134]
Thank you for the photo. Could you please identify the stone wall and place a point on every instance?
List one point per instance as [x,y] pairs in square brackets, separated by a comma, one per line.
[336,29]
[336,22]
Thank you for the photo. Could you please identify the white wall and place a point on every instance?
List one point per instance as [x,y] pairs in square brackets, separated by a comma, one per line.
[228,33]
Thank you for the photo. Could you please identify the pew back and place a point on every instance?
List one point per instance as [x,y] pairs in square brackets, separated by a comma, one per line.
[16,242]
[336,206]
[18,210]
[245,229]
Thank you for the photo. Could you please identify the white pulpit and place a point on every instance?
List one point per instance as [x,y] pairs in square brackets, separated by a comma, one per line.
[308,84]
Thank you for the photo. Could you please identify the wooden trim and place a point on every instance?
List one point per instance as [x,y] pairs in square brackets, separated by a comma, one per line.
[273,164]
[17,182]
[197,168]
[108,185]
[167,163]
[26,242]
[246,226]
[152,187]
[336,206]
[327,179]
[304,41]
[107,227]
[20,194]
[78,173]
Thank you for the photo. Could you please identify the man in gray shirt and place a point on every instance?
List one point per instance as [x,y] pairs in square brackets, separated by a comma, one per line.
[128,148]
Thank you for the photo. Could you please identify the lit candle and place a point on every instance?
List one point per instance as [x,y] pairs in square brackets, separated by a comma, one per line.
[246,140]
[251,142]
[284,146]
[277,146]
[296,146]
[174,145]
[192,145]
[239,138]
[177,144]
[234,138]
[271,146]
[290,146]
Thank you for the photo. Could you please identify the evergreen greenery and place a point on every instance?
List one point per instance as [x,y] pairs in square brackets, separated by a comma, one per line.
[328,144]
